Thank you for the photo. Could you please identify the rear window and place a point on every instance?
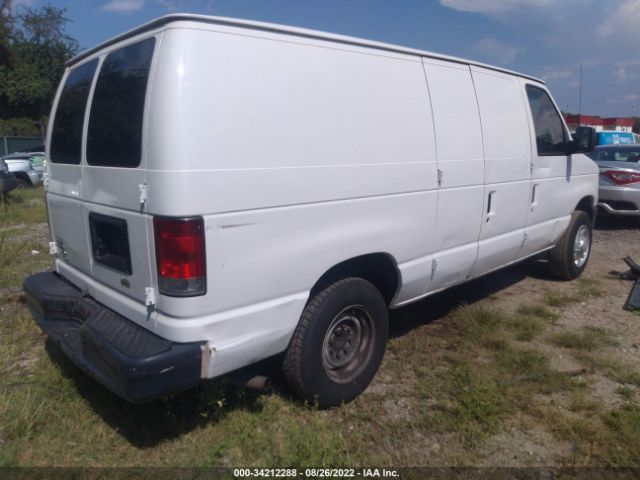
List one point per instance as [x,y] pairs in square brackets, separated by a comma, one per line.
[66,136]
[115,125]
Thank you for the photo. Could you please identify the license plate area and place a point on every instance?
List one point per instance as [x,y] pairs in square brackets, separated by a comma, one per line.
[110,242]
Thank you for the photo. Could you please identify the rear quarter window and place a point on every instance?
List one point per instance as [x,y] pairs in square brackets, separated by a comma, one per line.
[66,135]
[114,136]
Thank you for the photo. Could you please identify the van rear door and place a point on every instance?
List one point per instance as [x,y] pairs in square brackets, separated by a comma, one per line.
[64,179]
[104,213]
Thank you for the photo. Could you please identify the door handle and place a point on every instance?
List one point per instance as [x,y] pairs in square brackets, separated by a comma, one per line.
[534,200]
[491,205]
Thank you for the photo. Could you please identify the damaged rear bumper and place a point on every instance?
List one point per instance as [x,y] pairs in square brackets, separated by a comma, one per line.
[132,362]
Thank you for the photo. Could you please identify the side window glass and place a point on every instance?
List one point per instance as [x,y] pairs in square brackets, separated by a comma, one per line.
[550,134]
[114,138]
[66,135]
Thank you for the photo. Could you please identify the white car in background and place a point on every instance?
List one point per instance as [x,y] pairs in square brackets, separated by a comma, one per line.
[28,167]
[619,192]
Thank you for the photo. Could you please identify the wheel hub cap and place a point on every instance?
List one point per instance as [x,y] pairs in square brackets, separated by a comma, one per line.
[348,344]
[581,246]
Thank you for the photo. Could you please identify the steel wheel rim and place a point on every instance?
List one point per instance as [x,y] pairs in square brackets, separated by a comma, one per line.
[581,246]
[348,344]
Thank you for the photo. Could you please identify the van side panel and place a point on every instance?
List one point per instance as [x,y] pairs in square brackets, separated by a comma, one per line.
[507,168]
[461,163]
[299,155]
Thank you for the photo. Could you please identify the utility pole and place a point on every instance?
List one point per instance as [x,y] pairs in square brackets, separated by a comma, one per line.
[580,93]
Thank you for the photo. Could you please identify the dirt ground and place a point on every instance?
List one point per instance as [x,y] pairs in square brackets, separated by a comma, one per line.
[529,436]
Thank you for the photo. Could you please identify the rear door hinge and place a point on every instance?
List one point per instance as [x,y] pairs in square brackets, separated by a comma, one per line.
[54,249]
[142,192]
[440,175]
[149,296]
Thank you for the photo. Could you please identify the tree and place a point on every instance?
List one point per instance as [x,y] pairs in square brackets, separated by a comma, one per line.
[37,49]
[5,29]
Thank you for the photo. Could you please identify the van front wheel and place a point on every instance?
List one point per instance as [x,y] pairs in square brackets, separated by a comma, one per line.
[569,257]
[338,344]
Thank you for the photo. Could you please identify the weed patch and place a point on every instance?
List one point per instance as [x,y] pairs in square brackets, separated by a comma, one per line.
[589,339]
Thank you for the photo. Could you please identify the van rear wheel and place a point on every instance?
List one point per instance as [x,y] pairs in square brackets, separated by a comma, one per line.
[569,257]
[338,344]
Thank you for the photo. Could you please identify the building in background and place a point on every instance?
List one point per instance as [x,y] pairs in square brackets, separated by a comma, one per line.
[618,124]
[575,121]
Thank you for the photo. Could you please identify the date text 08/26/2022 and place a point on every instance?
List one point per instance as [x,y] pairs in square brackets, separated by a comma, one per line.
[315,473]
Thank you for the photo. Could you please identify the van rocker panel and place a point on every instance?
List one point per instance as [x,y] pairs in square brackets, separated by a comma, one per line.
[132,362]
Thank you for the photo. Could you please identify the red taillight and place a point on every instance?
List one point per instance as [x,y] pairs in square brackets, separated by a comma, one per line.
[180,256]
[622,177]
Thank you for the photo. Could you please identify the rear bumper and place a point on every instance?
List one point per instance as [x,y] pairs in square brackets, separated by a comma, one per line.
[132,362]
[619,200]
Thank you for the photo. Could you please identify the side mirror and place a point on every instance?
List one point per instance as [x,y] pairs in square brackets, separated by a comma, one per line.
[584,140]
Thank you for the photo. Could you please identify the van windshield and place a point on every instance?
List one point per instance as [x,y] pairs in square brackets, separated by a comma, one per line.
[115,124]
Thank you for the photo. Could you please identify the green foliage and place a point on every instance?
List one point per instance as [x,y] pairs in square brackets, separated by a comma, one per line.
[33,50]
[20,126]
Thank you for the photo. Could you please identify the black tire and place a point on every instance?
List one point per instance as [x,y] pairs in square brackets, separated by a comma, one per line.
[21,184]
[328,335]
[565,261]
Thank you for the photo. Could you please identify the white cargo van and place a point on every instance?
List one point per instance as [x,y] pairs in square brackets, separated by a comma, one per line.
[221,191]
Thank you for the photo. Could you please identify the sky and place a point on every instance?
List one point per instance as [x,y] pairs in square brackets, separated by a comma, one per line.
[544,38]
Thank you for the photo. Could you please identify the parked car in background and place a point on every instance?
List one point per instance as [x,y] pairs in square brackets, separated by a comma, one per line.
[619,178]
[7,179]
[28,167]
[613,137]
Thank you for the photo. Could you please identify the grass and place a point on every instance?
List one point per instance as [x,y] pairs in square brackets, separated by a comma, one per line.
[21,248]
[625,392]
[491,378]
[478,324]
[539,311]
[590,338]
[589,287]
[528,327]
[554,299]
[611,439]
[616,370]
[479,405]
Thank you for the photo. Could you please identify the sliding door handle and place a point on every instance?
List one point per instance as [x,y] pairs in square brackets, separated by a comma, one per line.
[534,197]
[491,205]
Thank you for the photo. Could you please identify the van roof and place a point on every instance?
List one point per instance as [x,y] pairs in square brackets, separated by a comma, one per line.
[275,28]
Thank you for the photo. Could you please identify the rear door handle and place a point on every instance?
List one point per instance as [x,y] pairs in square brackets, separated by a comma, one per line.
[534,199]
